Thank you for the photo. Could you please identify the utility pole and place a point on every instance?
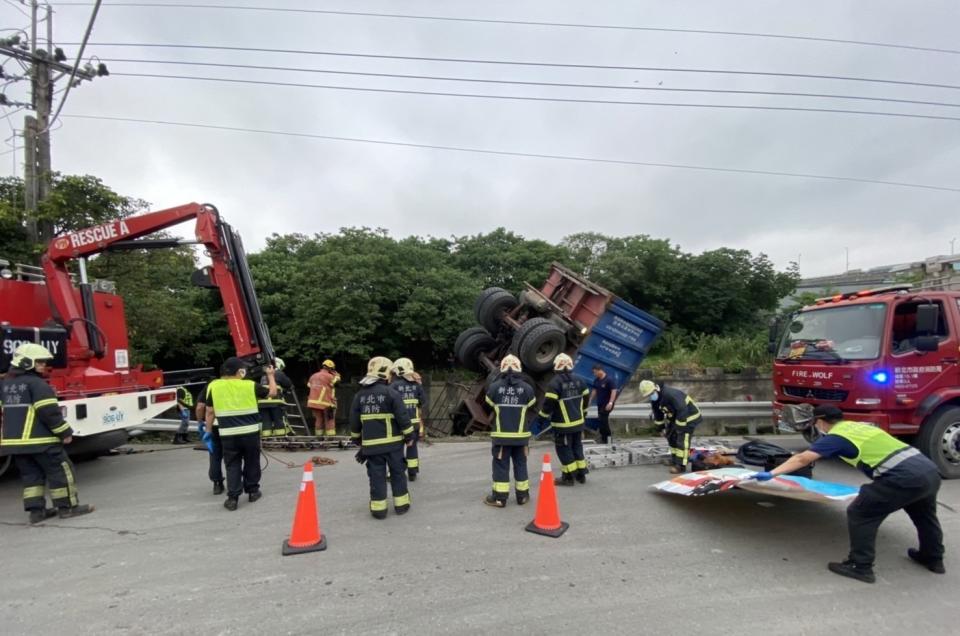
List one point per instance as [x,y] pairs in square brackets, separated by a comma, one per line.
[847,251]
[43,64]
[952,241]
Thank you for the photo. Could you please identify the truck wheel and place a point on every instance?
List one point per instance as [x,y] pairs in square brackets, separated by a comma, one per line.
[5,464]
[470,344]
[491,305]
[540,346]
[939,439]
[521,333]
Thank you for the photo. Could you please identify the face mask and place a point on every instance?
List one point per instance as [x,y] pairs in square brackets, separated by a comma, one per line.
[243,373]
[654,396]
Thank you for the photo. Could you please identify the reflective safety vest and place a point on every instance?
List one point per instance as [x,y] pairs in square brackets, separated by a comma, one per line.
[234,402]
[674,407]
[184,396]
[379,419]
[32,421]
[322,395]
[564,402]
[283,382]
[511,399]
[877,450]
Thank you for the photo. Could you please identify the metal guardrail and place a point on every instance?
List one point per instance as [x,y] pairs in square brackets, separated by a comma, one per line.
[163,425]
[709,410]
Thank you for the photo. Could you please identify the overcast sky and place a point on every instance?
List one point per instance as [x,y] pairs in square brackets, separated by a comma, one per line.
[264,184]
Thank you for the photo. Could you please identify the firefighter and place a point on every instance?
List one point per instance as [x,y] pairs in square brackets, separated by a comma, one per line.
[676,415]
[184,404]
[511,399]
[33,431]
[903,479]
[210,436]
[564,407]
[323,399]
[379,424]
[408,384]
[272,408]
[232,407]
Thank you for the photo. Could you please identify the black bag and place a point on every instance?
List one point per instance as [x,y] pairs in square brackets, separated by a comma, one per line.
[769,456]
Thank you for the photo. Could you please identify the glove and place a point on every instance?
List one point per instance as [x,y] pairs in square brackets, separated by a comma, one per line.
[763,476]
[408,439]
[360,457]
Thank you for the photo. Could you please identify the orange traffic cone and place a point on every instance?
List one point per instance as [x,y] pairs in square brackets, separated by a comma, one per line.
[305,535]
[547,520]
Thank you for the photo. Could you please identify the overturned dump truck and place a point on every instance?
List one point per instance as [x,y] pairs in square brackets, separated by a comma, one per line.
[566,315]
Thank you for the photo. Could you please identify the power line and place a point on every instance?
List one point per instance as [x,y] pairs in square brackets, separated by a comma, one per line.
[658,69]
[526,98]
[76,66]
[507,153]
[530,83]
[617,27]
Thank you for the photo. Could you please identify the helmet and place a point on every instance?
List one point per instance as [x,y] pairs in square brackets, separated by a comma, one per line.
[562,362]
[278,364]
[28,354]
[647,388]
[379,367]
[510,363]
[329,364]
[403,367]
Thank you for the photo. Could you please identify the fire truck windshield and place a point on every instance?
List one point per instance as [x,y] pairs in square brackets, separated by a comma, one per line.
[837,334]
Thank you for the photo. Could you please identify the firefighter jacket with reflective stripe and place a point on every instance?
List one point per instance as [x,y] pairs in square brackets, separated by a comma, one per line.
[414,398]
[511,400]
[234,402]
[32,421]
[379,420]
[877,450]
[321,385]
[283,384]
[564,402]
[674,407]
[184,398]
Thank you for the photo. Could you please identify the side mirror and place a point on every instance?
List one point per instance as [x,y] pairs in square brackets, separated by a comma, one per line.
[772,348]
[927,344]
[773,333]
[928,317]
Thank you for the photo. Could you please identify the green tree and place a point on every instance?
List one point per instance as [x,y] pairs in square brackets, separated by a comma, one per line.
[504,259]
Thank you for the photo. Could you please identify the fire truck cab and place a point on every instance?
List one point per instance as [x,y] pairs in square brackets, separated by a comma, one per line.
[887,357]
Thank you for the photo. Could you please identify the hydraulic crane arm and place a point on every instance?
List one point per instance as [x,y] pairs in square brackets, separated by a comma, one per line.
[229,273]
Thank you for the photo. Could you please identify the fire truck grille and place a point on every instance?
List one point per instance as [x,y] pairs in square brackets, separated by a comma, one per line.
[807,393]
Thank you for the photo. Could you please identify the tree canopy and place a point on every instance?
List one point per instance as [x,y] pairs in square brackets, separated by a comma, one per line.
[359,292]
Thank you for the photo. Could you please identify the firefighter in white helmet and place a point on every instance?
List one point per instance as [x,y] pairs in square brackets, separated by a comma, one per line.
[34,432]
[272,408]
[676,415]
[511,399]
[564,406]
[407,383]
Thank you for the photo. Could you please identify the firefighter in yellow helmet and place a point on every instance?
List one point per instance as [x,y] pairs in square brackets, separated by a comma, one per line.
[564,406]
[677,416]
[511,399]
[380,425]
[323,399]
[34,432]
[407,384]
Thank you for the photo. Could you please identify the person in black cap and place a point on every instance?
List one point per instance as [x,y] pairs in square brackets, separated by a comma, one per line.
[232,403]
[903,479]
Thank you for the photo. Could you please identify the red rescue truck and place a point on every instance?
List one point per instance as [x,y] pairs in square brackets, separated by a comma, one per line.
[83,324]
[887,357]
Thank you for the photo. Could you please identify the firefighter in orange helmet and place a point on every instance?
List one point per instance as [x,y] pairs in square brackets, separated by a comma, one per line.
[323,399]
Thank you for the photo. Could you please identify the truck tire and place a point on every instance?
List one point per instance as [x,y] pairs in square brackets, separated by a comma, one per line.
[470,344]
[939,439]
[521,333]
[540,346]
[491,305]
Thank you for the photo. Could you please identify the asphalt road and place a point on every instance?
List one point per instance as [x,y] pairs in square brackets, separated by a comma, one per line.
[162,556]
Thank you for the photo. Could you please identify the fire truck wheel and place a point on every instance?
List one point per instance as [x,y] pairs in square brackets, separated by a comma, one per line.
[491,305]
[939,439]
[5,464]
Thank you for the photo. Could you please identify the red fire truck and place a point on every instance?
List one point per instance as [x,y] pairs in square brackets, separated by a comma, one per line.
[84,325]
[888,357]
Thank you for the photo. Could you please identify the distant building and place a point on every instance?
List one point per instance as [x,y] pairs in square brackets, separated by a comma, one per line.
[939,272]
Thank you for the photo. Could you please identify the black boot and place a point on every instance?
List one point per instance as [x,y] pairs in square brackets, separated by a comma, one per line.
[490,500]
[581,476]
[379,514]
[230,504]
[934,565]
[75,511]
[179,439]
[255,495]
[411,475]
[523,496]
[565,480]
[36,516]
[218,487]
[852,570]
[403,509]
